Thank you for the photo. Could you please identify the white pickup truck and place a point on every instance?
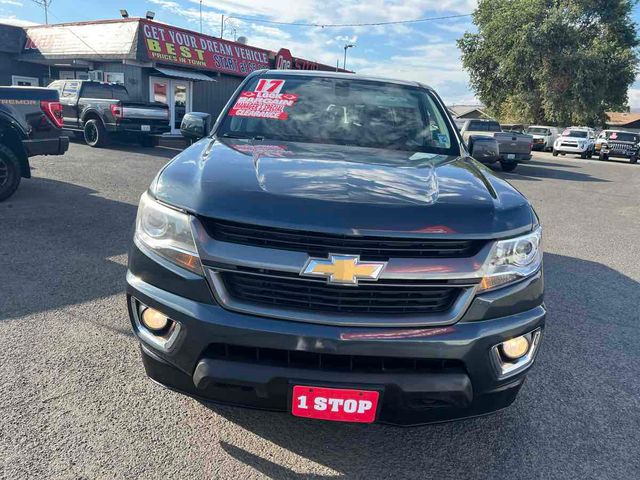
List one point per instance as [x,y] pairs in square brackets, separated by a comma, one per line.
[512,147]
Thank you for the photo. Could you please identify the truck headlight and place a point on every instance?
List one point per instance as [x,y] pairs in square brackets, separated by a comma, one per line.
[167,232]
[512,260]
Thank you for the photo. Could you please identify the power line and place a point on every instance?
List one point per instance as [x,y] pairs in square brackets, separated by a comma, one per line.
[333,25]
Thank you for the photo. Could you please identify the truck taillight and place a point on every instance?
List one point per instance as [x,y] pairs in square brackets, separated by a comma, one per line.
[53,111]
[116,111]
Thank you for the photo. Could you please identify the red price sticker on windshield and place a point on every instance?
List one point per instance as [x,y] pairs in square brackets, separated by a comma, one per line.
[263,104]
[269,85]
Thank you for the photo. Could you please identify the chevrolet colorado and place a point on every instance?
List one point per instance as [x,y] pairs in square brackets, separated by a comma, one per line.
[30,121]
[331,250]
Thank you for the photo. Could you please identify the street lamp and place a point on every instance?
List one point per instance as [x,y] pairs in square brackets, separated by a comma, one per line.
[347,45]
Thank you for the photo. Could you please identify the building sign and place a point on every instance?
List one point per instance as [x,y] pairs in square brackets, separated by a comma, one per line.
[182,47]
[285,61]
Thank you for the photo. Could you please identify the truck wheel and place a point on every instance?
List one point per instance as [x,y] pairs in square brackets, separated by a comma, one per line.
[633,159]
[9,173]
[583,155]
[555,153]
[147,141]
[508,166]
[95,134]
[604,157]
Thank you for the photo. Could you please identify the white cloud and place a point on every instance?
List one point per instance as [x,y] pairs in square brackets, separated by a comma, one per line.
[13,3]
[13,20]
[634,98]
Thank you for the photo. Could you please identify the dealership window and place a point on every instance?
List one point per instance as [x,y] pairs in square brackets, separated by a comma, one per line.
[67,75]
[24,81]
[114,77]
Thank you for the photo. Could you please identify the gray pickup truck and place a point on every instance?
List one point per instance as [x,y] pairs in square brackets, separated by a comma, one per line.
[510,148]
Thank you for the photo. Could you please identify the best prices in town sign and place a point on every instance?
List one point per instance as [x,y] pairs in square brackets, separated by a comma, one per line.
[173,45]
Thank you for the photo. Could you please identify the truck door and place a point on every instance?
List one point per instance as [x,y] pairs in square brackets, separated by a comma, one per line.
[69,100]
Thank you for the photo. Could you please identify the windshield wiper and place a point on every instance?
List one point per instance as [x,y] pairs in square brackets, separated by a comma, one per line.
[242,135]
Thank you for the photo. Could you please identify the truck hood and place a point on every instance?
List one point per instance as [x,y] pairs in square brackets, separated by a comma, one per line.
[342,189]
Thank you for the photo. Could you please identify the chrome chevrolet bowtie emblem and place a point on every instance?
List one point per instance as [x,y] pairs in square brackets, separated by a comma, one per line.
[342,269]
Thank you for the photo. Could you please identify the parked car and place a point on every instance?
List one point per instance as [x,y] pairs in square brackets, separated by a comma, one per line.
[576,140]
[543,136]
[30,124]
[348,264]
[512,147]
[99,111]
[619,143]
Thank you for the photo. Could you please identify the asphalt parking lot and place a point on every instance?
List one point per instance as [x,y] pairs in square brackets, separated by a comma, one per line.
[75,402]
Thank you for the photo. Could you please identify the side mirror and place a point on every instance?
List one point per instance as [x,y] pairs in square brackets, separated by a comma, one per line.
[195,125]
[484,149]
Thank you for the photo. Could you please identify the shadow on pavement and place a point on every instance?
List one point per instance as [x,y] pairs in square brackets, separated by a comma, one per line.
[534,171]
[65,245]
[577,404]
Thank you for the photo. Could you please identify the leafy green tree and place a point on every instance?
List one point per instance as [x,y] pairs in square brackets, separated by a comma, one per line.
[563,62]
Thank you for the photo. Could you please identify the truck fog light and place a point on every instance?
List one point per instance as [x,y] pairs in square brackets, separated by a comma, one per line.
[154,320]
[515,348]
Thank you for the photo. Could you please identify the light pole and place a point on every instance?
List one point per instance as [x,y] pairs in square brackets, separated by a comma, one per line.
[200,16]
[346,46]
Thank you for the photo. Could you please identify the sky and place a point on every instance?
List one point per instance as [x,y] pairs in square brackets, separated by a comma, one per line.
[425,51]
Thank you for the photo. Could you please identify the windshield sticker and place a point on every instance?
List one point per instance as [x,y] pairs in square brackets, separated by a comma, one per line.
[566,132]
[263,105]
[613,136]
[269,85]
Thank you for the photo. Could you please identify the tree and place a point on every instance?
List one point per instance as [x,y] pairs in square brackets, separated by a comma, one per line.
[562,62]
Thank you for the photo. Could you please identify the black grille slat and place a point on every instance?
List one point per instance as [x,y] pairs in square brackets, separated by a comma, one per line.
[298,293]
[329,361]
[320,244]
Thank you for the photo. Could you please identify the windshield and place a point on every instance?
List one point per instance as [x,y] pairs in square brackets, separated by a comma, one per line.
[484,126]
[538,131]
[623,137]
[340,112]
[575,133]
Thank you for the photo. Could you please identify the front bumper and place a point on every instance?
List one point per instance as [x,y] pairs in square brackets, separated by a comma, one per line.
[463,382]
[571,149]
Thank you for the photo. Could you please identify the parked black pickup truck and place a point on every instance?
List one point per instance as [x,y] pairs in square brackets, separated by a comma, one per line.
[30,124]
[101,110]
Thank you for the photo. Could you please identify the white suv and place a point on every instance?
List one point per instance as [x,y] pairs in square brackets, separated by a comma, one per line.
[577,140]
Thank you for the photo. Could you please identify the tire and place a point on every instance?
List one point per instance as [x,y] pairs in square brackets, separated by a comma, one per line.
[9,173]
[590,154]
[147,141]
[95,134]
[603,157]
[508,166]
[633,159]
[555,152]
[583,155]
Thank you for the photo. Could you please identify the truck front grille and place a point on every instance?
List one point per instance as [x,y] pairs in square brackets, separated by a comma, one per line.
[321,244]
[329,361]
[382,297]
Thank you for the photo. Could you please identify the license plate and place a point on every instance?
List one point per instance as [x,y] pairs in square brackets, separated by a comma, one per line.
[511,156]
[336,404]
[145,128]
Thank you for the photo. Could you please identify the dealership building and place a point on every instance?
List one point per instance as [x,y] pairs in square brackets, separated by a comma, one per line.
[186,70]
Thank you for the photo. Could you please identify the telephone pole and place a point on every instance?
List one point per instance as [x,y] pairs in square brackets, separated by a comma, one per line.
[44,4]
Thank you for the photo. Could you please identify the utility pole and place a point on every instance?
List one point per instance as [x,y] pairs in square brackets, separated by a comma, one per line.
[200,16]
[347,45]
[44,4]
[222,26]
